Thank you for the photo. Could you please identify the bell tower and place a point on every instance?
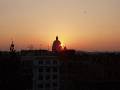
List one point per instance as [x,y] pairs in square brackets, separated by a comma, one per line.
[12,47]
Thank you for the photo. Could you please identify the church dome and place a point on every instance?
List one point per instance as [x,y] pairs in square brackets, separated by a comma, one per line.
[56,47]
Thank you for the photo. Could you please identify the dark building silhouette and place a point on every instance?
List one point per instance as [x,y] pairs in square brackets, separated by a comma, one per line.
[10,71]
[12,47]
[56,45]
[67,70]
[59,69]
[81,71]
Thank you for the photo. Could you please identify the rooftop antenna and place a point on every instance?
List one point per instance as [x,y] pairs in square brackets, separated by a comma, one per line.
[12,47]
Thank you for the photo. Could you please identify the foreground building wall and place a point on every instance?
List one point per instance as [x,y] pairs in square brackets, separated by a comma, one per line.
[46,74]
[44,71]
[73,72]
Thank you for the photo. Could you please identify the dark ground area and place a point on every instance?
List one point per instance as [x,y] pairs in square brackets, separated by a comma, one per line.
[82,72]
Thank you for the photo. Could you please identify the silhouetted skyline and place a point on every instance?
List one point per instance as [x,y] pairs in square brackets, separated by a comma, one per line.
[90,25]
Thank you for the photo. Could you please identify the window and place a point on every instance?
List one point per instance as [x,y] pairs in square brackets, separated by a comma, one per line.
[40,62]
[47,77]
[47,85]
[55,84]
[54,69]
[40,77]
[47,69]
[41,69]
[40,85]
[54,77]
[55,89]
[47,62]
[54,61]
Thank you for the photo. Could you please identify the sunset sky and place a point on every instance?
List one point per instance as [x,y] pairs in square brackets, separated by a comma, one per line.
[90,25]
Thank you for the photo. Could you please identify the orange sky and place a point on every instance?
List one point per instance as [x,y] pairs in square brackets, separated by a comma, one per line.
[90,25]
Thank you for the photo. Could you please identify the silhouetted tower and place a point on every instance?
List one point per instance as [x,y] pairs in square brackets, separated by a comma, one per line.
[12,47]
[65,48]
[56,47]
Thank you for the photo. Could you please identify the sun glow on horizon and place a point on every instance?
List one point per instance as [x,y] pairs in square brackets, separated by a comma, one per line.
[79,24]
[62,45]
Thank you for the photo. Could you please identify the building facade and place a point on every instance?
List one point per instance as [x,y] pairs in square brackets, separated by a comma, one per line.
[45,71]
